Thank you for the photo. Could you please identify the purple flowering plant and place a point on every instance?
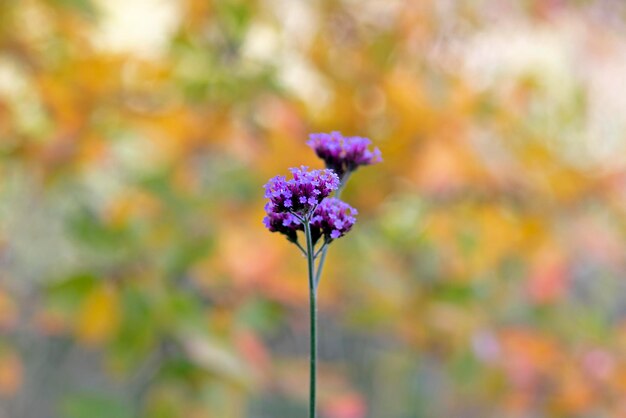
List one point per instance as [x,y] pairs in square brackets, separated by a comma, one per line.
[302,205]
[343,154]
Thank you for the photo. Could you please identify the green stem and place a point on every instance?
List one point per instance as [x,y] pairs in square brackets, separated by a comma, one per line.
[320,250]
[343,183]
[302,250]
[314,278]
[320,264]
[313,319]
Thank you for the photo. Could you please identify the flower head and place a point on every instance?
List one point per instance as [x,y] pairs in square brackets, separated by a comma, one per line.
[343,154]
[332,219]
[303,192]
[283,222]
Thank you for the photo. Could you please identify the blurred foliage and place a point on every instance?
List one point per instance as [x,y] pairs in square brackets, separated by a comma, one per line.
[484,277]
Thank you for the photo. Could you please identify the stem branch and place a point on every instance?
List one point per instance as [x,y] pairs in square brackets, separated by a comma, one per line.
[318,253]
[320,264]
[302,250]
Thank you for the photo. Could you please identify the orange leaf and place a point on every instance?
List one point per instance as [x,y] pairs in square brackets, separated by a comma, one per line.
[10,373]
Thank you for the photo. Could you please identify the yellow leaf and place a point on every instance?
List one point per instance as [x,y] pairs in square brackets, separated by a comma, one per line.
[99,316]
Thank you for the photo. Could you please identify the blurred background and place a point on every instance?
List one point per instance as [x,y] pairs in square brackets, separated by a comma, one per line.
[485,275]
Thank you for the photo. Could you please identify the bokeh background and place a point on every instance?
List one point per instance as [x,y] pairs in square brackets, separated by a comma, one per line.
[485,276]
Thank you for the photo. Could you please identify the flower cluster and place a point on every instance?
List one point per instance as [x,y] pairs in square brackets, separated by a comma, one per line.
[304,198]
[285,223]
[343,154]
[332,219]
[301,194]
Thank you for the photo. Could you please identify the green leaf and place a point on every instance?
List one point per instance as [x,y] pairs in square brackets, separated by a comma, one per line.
[69,292]
[87,8]
[87,405]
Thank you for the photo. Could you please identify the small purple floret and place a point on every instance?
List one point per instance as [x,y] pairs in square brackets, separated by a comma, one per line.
[332,219]
[343,154]
[283,222]
[301,194]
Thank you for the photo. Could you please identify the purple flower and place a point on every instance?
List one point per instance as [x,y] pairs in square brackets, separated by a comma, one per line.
[284,222]
[301,194]
[332,219]
[343,154]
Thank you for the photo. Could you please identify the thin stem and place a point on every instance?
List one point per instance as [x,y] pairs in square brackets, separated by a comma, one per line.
[313,320]
[343,183]
[302,250]
[320,250]
[298,217]
[320,264]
